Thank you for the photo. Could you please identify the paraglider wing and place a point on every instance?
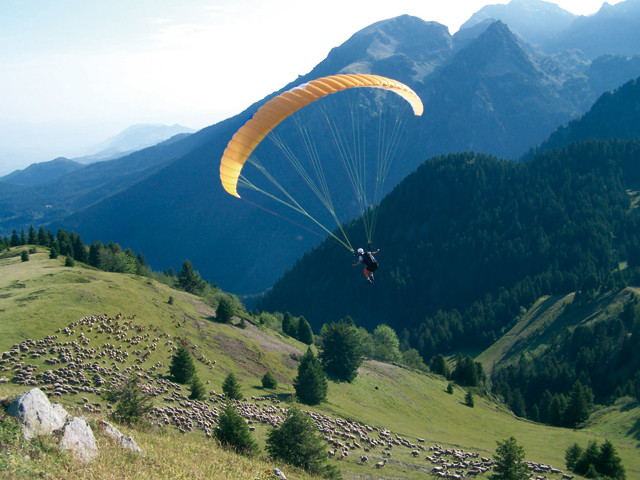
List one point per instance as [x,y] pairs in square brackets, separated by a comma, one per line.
[269,115]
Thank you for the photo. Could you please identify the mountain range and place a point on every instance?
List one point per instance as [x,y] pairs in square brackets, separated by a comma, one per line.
[493,87]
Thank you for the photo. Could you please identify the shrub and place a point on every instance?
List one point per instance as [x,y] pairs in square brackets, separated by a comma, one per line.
[269,380]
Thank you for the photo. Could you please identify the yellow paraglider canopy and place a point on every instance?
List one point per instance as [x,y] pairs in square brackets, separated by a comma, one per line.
[269,115]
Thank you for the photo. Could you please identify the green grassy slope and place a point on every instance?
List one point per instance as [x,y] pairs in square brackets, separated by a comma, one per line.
[41,297]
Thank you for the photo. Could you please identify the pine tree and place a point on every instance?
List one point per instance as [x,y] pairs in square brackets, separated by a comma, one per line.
[233,431]
[189,280]
[311,382]
[224,312]
[571,455]
[577,409]
[269,380]
[297,441]
[32,238]
[609,463]
[182,367]
[305,334]
[468,399]
[288,325]
[24,256]
[132,403]
[438,365]
[510,463]
[231,387]
[198,390]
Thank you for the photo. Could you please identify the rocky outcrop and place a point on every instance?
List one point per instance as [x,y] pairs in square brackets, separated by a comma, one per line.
[36,414]
[125,442]
[39,417]
[77,437]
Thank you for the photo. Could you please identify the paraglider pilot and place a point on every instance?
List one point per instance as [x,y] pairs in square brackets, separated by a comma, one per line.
[369,261]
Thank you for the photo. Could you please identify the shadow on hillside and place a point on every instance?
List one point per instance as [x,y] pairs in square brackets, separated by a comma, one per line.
[635,431]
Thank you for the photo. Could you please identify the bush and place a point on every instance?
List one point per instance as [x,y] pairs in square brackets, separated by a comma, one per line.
[269,380]
[69,262]
[24,256]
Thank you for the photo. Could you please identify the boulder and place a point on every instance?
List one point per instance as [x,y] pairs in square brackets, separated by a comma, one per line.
[37,415]
[125,442]
[77,437]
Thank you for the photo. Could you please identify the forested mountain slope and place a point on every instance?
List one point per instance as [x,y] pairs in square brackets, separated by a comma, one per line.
[467,240]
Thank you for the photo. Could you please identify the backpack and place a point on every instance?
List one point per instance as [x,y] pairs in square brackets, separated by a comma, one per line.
[370,262]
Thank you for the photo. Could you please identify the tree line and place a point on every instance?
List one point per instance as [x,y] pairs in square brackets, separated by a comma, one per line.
[597,362]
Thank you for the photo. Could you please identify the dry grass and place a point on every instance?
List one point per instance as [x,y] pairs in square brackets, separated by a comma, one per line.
[167,455]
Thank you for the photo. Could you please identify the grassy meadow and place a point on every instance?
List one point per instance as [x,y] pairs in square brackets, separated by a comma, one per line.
[42,297]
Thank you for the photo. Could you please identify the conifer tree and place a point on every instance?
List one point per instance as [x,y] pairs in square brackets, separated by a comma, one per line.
[132,403]
[43,238]
[510,463]
[224,312]
[233,431]
[438,365]
[288,325]
[468,399]
[609,463]
[32,238]
[297,441]
[231,387]
[577,409]
[182,367]
[189,280]
[198,390]
[311,382]
[305,333]
[24,256]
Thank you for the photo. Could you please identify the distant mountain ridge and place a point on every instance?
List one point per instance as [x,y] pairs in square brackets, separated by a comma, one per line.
[134,138]
[484,89]
[42,172]
[129,140]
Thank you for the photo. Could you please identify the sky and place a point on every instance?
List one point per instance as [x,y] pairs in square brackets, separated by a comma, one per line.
[75,72]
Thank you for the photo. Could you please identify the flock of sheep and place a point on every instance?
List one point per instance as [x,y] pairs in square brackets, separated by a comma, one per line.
[76,365]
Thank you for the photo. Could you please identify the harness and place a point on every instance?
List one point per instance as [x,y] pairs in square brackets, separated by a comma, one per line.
[369,261]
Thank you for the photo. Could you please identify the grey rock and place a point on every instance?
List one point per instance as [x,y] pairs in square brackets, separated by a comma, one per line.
[124,441]
[78,438]
[37,415]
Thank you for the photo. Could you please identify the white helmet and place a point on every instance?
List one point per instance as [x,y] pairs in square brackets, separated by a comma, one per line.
[361,251]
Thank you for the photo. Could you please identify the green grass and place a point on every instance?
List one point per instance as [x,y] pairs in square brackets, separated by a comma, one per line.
[40,296]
